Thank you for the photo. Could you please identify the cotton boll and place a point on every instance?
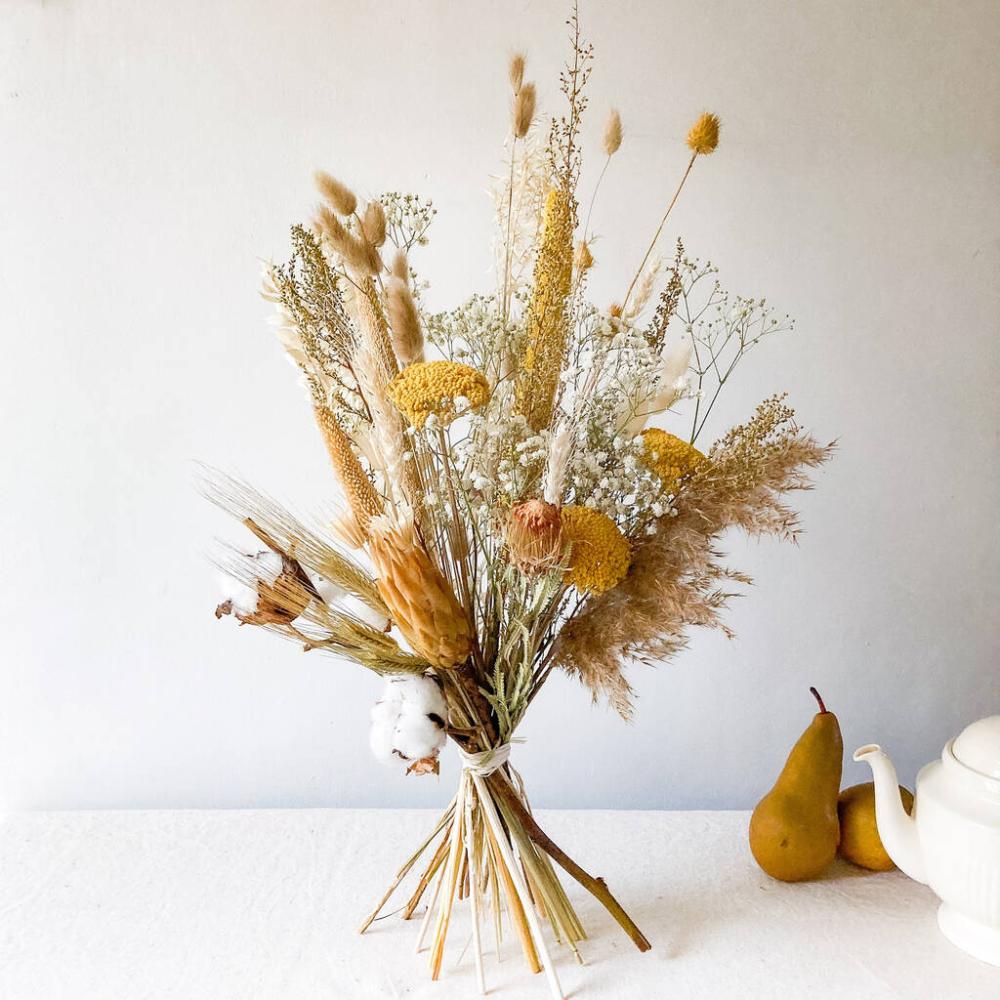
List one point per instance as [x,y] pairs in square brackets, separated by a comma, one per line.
[268,566]
[421,694]
[380,739]
[408,723]
[241,597]
[417,736]
[329,592]
[352,605]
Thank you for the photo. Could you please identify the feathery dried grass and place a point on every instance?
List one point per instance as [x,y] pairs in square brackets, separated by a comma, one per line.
[515,71]
[404,320]
[676,579]
[612,139]
[373,223]
[523,110]
[338,195]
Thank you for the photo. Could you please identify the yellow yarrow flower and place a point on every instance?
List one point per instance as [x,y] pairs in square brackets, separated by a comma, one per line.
[428,387]
[704,135]
[599,554]
[670,457]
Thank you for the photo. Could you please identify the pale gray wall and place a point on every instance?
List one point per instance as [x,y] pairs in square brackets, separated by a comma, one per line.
[152,151]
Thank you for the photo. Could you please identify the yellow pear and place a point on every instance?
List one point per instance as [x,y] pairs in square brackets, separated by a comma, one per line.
[859,839]
[794,830]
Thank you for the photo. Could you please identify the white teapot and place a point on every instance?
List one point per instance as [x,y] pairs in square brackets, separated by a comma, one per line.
[952,840]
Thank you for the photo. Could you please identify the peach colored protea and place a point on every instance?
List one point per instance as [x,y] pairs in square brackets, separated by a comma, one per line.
[534,531]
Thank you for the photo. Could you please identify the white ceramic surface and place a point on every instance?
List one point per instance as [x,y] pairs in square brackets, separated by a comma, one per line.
[951,842]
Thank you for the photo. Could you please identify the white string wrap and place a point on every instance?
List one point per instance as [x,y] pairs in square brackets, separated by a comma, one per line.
[484,763]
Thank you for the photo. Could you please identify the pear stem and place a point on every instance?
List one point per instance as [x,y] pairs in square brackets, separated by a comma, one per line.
[816,695]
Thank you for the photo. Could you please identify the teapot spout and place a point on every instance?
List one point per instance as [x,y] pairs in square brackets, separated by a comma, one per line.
[896,829]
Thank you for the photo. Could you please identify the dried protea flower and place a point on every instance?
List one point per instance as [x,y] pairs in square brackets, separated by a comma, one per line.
[515,71]
[534,530]
[704,135]
[373,223]
[279,592]
[339,196]
[523,110]
[417,595]
[612,138]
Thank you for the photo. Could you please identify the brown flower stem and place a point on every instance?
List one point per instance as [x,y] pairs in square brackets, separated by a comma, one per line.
[514,908]
[428,876]
[659,229]
[402,873]
[501,787]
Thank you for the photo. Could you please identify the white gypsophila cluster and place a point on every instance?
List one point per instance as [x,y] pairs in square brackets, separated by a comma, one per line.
[616,481]
[473,333]
[408,720]
[265,567]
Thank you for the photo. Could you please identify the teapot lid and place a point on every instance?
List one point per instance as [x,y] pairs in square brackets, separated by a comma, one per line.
[978,746]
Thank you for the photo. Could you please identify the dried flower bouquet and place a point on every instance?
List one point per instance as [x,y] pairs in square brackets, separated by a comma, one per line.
[509,506]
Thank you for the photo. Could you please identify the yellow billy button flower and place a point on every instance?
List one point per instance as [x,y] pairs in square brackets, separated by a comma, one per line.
[599,553]
[704,135]
[670,457]
[433,386]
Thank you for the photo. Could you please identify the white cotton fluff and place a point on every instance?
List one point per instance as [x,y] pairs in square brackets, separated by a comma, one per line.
[329,592]
[265,566]
[339,599]
[241,596]
[407,720]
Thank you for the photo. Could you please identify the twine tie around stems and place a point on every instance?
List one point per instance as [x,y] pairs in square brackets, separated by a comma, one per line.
[484,763]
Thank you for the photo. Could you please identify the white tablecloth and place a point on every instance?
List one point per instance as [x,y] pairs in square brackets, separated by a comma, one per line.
[233,905]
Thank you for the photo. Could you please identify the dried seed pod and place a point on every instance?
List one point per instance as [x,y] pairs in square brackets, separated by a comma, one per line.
[280,592]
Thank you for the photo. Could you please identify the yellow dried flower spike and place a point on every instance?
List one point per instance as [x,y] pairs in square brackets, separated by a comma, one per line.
[670,457]
[704,135]
[433,386]
[547,328]
[599,553]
